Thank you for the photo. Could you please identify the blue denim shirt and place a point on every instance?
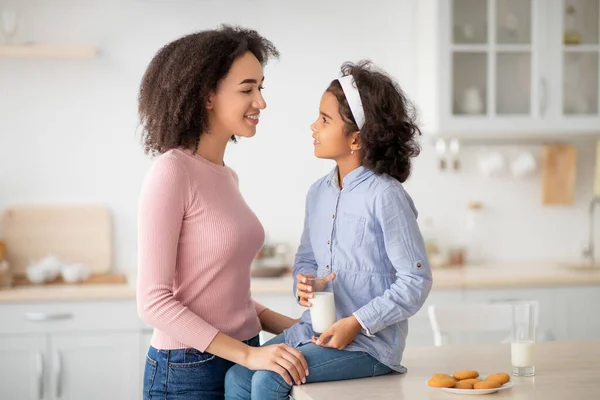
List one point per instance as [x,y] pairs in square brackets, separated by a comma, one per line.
[367,233]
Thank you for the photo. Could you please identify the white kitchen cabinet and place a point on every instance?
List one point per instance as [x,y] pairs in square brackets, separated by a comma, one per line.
[551,325]
[499,67]
[419,328]
[64,350]
[23,374]
[579,306]
[145,338]
[94,366]
[572,65]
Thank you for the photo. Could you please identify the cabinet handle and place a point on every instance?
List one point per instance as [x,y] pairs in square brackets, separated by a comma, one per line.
[507,300]
[40,372]
[544,97]
[58,369]
[34,316]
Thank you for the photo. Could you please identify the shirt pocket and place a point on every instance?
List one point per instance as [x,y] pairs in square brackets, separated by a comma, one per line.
[350,230]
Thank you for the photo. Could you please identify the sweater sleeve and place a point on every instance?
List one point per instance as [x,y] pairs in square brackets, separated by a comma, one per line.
[162,206]
[258,307]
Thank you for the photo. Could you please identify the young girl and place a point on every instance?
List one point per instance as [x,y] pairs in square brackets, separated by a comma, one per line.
[196,235]
[361,229]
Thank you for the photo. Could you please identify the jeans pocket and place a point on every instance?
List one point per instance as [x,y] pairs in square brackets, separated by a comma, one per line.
[190,358]
[350,229]
[149,374]
[196,374]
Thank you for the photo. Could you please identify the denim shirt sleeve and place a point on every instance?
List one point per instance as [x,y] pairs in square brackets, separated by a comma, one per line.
[304,262]
[405,249]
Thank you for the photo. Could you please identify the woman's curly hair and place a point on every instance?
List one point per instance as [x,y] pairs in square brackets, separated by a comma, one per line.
[181,75]
[389,134]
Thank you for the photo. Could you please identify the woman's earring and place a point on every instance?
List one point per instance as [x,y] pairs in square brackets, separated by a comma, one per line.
[351,151]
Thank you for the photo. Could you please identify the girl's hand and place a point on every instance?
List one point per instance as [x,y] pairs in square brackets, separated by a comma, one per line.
[304,289]
[340,334]
[280,358]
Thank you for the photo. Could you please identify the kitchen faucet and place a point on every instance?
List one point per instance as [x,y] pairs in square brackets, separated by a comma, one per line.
[589,251]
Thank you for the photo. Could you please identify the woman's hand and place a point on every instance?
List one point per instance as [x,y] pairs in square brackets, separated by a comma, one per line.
[280,358]
[340,334]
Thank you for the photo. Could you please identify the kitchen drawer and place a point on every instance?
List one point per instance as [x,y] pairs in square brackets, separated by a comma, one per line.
[69,316]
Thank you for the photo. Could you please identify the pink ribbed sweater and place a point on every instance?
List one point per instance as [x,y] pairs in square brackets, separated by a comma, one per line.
[196,240]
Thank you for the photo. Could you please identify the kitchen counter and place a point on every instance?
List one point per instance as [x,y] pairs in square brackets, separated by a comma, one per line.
[43,293]
[496,275]
[564,370]
[260,286]
[514,274]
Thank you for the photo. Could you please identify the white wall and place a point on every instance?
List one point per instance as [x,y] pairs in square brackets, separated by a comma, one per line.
[68,129]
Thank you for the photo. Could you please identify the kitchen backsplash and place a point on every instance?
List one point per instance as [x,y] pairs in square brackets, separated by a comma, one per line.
[68,128]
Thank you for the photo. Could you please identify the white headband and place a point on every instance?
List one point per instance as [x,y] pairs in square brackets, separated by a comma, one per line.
[351,92]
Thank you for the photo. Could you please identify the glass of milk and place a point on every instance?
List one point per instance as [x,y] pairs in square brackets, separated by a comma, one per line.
[322,309]
[522,346]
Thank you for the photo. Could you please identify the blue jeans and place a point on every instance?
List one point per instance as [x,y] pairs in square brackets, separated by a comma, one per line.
[323,365]
[186,374]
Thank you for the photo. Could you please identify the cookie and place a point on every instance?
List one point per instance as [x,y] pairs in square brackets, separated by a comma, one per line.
[471,381]
[501,377]
[441,376]
[487,385]
[466,374]
[442,381]
[463,385]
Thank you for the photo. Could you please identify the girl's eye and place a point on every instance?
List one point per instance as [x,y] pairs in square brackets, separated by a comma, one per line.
[324,120]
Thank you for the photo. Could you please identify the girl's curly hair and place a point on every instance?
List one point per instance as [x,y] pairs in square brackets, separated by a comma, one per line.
[179,79]
[389,134]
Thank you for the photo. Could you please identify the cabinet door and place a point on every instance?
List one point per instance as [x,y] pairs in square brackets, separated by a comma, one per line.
[550,322]
[22,367]
[493,64]
[580,311]
[145,338]
[95,366]
[574,63]
[420,332]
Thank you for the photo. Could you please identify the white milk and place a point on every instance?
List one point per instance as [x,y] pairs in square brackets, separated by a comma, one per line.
[322,311]
[521,354]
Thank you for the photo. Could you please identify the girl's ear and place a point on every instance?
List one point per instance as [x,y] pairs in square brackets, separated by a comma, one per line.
[355,143]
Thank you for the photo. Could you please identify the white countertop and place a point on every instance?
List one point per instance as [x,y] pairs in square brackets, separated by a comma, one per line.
[514,274]
[496,275]
[272,286]
[563,370]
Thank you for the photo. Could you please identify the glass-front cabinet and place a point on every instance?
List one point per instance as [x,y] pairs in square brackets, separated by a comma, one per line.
[578,66]
[528,66]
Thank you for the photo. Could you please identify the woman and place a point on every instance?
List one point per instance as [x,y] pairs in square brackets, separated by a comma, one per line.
[197,236]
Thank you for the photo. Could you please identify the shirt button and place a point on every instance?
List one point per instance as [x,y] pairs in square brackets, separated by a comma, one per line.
[327,267]
[333,216]
[418,265]
[329,241]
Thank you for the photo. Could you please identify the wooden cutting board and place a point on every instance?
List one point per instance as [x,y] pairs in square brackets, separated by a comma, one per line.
[559,169]
[78,234]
